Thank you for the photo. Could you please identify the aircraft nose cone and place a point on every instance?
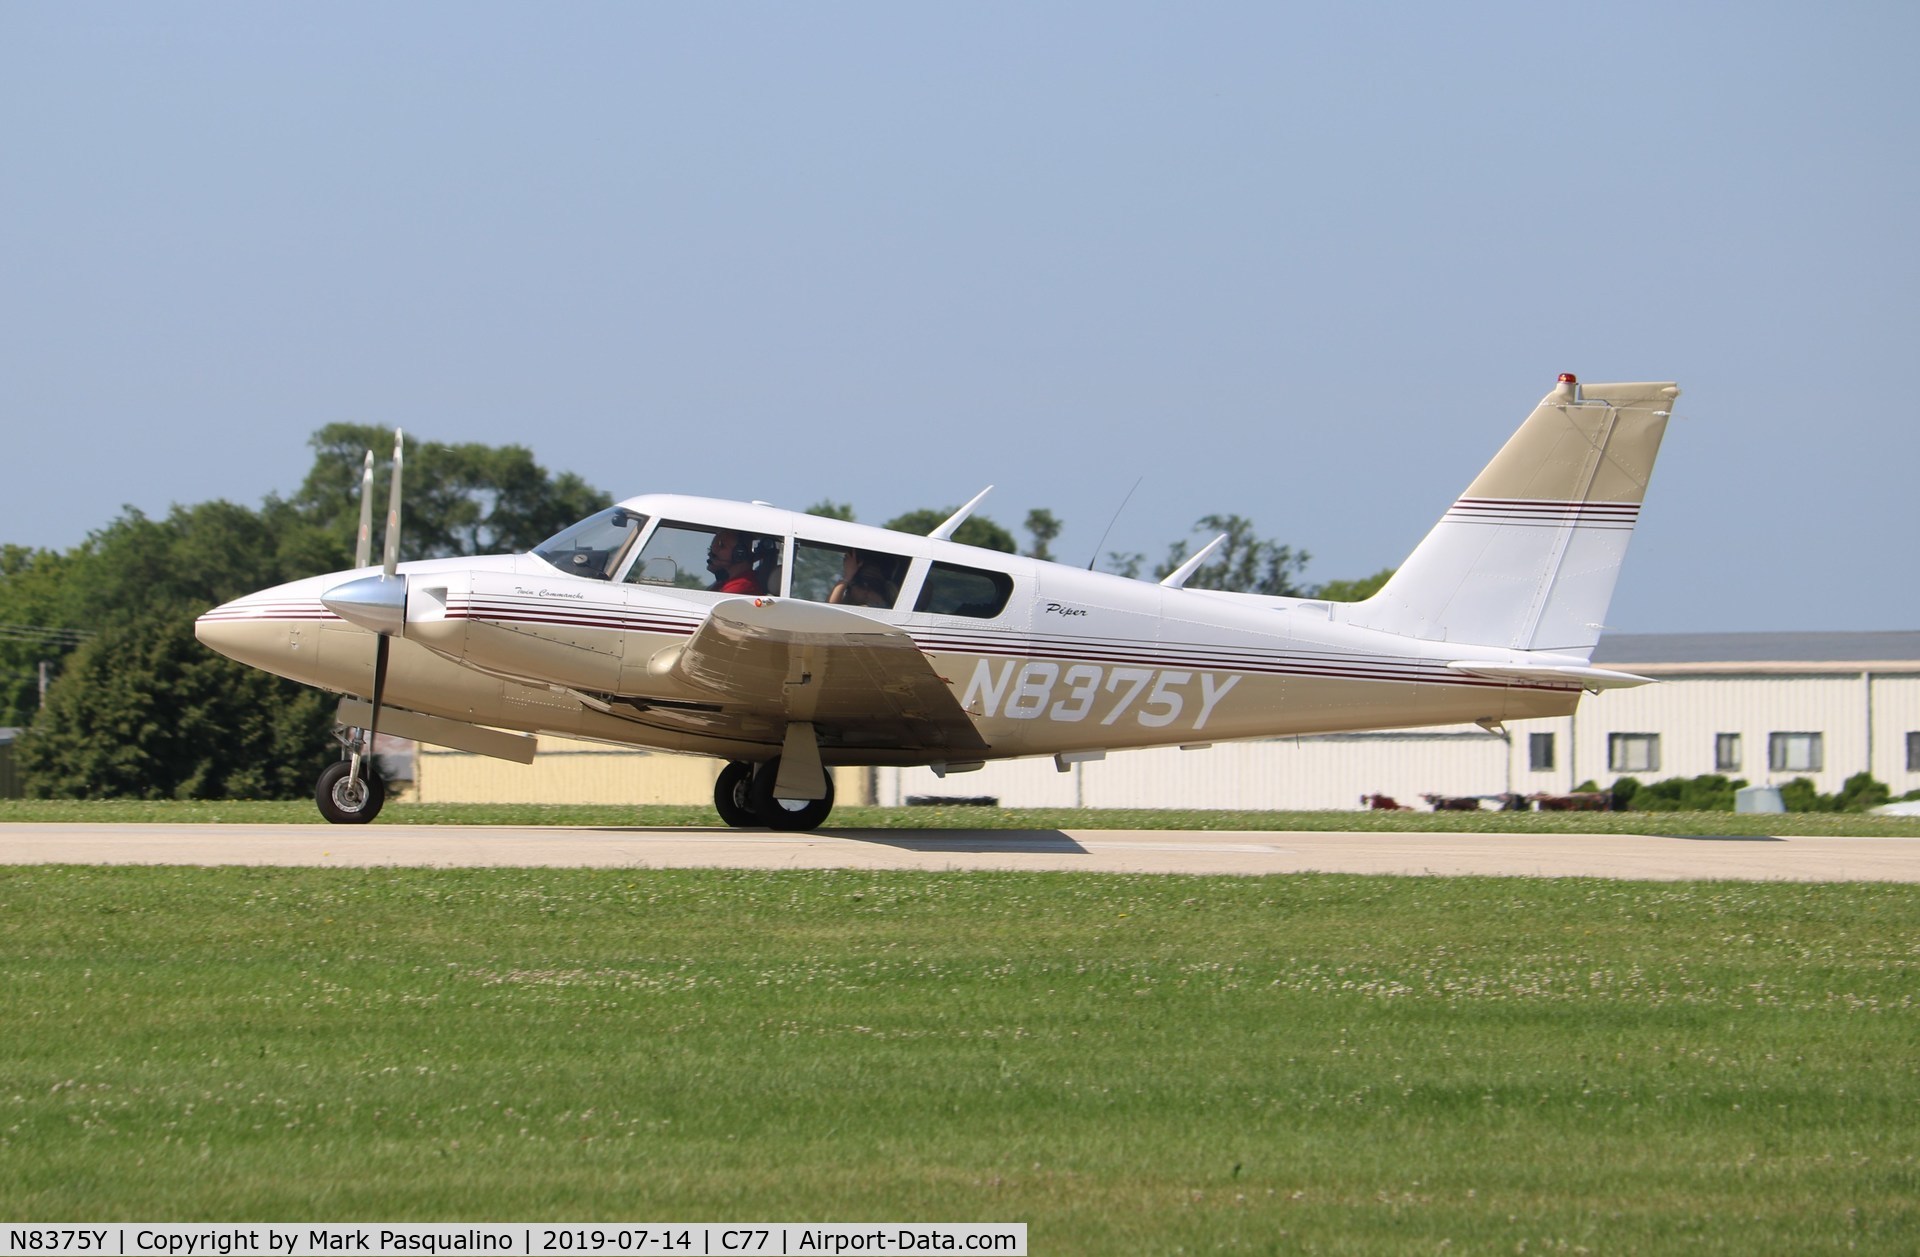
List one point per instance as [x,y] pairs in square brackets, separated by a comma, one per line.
[372,602]
[218,630]
[241,632]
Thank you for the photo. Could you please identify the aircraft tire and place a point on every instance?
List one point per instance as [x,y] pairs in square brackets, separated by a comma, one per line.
[341,803]
[789,814]
[731,796]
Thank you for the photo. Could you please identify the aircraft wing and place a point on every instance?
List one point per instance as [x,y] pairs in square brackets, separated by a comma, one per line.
[774,662]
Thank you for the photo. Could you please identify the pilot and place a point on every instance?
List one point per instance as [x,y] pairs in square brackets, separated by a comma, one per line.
[863,582]
[730,559]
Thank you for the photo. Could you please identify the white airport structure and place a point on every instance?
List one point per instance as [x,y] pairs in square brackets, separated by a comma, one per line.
[1766,707]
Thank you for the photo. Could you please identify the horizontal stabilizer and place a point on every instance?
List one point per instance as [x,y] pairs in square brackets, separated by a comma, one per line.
[1552,674]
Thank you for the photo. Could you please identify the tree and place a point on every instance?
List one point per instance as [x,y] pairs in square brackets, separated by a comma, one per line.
[457,499]
[1245,563]
[37,625]
[144,711]
[1711,792]
[827,508]
[1043,528]
[1858,793]
[978,530]
[1353,590]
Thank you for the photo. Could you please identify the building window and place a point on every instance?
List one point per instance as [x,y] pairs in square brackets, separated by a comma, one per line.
[1633,752]
[1913,752]
[1794,752]
[1726,752]
[1540,752]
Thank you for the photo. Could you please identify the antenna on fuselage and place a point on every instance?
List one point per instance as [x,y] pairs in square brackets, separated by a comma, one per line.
[1111,523]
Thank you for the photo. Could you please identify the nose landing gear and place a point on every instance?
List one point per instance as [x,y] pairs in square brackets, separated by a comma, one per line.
[350,792]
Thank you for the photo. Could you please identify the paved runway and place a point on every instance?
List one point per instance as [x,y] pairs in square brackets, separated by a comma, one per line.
[1108,851]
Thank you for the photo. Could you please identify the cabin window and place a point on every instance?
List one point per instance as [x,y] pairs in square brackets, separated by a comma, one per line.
[593,547]
[969,591]
[1795,752]
[845,575]
[702,556]
[1633,752]
[1726,752]
[1540,752]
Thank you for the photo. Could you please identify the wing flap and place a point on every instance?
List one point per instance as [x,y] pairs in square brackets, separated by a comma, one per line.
[859,682]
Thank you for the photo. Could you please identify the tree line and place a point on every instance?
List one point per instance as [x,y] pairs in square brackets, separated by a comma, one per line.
[99,664]
[1245,562]
[137,708]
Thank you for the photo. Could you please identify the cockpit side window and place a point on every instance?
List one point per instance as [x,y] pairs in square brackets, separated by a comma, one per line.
[951,589]
[850,577]
[593,547]
[705,556]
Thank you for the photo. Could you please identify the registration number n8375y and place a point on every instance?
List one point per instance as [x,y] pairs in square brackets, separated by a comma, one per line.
[1073,692]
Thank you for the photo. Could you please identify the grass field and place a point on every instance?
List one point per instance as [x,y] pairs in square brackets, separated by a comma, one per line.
[1127,1063]
[302,812]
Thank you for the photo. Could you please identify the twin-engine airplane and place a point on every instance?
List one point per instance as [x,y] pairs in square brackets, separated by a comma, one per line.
[786,644]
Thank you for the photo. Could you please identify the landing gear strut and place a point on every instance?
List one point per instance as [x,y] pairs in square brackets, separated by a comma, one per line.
[743,795]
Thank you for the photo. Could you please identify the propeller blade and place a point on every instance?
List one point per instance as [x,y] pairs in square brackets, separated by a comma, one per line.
[362,760]
[363,545]
[392,558]
[381,644]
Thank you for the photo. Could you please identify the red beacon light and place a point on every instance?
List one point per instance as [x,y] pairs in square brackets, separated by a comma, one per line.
[1565,390]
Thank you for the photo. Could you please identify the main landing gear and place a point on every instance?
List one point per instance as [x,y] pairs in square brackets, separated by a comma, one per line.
[743,796]
[351,792]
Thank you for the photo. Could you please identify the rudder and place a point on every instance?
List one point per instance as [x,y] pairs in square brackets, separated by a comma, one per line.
[1527,558]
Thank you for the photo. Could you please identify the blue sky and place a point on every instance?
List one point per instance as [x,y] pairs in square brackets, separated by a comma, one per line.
[1305,263]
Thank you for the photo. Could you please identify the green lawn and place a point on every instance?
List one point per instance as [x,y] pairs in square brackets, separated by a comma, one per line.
[1127,1063]
[302,812]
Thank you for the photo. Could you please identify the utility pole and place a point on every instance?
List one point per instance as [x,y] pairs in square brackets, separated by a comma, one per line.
[43,683]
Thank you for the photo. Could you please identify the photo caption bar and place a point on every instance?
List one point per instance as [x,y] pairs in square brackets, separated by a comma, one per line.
[509,1239]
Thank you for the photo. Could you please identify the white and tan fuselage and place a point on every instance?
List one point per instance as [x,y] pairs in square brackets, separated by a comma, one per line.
[1492,619]
[1087,661]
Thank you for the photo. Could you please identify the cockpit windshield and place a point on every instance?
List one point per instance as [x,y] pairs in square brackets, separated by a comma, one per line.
[593,547]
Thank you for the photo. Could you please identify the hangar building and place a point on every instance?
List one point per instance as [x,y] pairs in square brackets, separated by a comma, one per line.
[1767,707]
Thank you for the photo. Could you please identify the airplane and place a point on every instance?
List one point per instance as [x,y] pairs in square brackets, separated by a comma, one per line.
[786,644]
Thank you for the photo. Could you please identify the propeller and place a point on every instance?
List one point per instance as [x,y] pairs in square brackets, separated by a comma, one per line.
[378,603]
[363,543]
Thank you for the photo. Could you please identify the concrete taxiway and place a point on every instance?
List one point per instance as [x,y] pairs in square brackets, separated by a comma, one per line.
[1647,856]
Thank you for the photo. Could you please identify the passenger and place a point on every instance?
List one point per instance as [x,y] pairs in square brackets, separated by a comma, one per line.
[730,559]
[863,582]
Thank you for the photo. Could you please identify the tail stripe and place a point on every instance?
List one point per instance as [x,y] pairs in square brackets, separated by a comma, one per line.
[1621,516]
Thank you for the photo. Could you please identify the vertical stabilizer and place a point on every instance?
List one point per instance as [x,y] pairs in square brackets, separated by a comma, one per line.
[1527,558]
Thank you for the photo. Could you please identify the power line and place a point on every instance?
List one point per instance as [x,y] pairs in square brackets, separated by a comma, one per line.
[41,633]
